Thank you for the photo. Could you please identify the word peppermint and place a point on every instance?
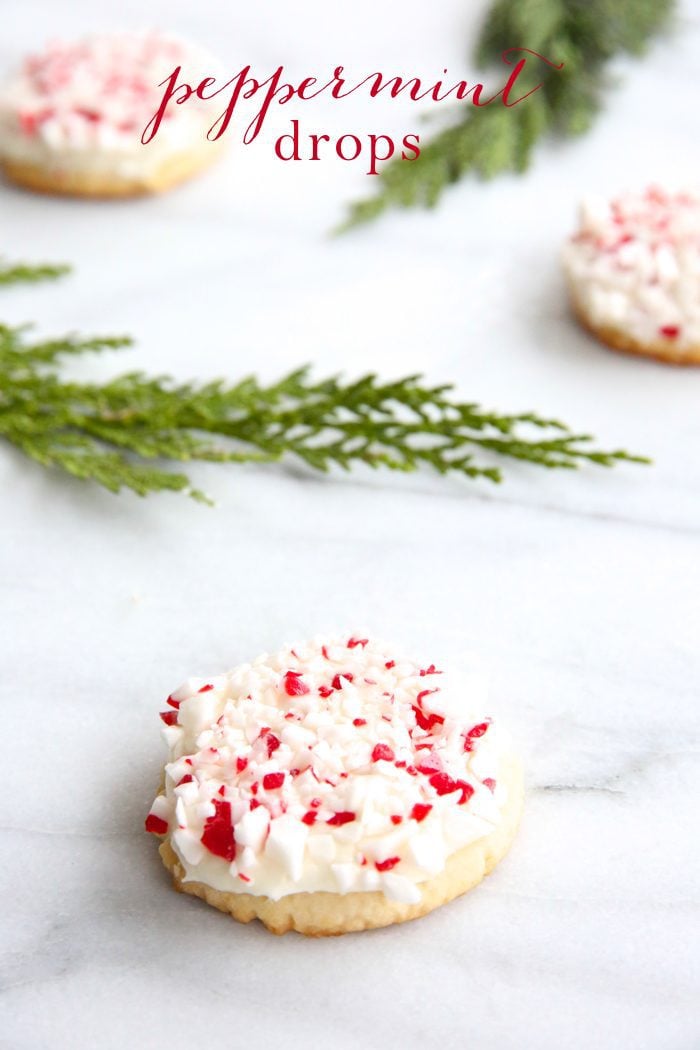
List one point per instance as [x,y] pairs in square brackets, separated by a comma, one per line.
[244,86]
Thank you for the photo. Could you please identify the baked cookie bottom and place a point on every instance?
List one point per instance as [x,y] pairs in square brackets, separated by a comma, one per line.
[330,914]
[53,179]
[665,350]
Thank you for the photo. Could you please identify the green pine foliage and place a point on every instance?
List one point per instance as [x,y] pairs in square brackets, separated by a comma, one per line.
[583,34]
[127,432]
[20,273]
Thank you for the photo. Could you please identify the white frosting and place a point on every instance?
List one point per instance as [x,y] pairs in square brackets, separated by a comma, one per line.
[329,766]
[634,265]
[84,106]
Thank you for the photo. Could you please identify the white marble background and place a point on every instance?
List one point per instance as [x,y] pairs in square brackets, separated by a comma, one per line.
[579,592]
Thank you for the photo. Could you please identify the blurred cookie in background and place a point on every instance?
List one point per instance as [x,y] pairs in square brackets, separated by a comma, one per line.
[71,120]
[633,270]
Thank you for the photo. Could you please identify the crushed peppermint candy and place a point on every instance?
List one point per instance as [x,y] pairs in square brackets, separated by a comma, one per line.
[371,784]
[633,266]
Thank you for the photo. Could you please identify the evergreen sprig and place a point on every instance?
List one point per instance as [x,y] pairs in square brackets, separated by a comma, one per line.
[20,272]
[120,433]
[583,34]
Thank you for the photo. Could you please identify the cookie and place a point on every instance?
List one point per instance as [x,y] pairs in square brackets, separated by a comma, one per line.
[633,271]
[330,788]
[71,121]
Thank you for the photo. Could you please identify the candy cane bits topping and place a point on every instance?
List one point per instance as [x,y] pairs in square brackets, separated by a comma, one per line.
[293,684]
[337,682]
[382,753]
[272,781]
[218,836]
[273,742]
[156,825]
[365,762]
[338,819]
[387,865]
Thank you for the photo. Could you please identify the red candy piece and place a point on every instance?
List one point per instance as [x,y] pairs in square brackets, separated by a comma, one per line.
[173,703]
[30,122]
[206,688]
[427,722]
[387,865]
[420,811]
[382,753]
[354,642]
[293,684]
[337,683]
[670,331]
[389,664]
[344,817]
[478,730]
[423,693]
[272,781]
[156,825]
[241,763]
[272,742]
[396,819]
[187,779]
[359,721]
[325,691]
[91,115]
[217,836]
[169,717]
[309,817]
[443,784]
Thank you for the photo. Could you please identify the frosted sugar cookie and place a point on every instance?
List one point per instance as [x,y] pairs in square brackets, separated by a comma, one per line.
[332,787]
[71,120]
[633,269]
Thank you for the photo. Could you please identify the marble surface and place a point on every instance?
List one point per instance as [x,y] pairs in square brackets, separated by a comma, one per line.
[579,593]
